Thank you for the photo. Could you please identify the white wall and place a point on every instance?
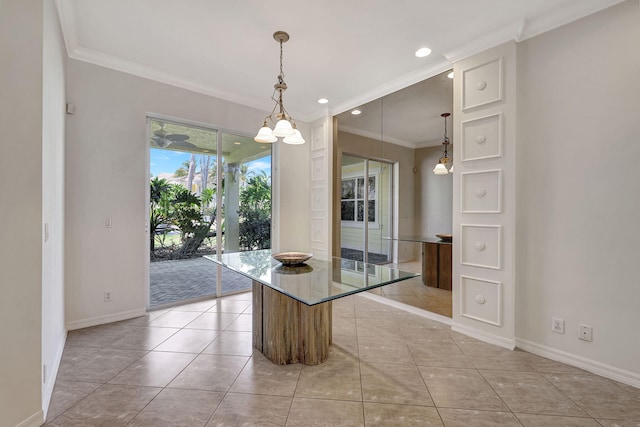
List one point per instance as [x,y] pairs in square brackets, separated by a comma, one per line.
[53,119]
[291,219]
[106,158]
[434,194]
[20,210]
[579,187]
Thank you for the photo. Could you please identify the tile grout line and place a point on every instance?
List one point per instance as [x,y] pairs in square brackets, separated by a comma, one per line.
[234,381]
[169,382]
[364,416]
[566,395]
[186,366]
[527,363]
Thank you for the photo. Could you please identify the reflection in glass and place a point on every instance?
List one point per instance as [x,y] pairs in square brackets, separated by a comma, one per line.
[322,281]
[347,210]
[348,189]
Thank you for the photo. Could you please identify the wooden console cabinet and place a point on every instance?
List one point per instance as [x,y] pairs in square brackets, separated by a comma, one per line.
[436,264]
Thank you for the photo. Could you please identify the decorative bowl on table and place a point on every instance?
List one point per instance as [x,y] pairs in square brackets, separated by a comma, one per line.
[293,269]
[444,237]
[292,258]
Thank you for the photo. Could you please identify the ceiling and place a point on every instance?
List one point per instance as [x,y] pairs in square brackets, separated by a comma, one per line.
[350,52]
[409,117]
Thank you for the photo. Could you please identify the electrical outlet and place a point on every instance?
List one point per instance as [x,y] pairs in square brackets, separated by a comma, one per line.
[585,332]
[557,325]
[108,296]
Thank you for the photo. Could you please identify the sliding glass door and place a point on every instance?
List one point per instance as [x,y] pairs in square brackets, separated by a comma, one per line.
[209,193]
[366,209]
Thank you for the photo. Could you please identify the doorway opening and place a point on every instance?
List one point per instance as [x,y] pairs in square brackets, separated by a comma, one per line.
[209,192]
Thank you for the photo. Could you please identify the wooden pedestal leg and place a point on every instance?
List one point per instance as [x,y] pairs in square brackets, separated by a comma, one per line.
[315,333]
[288,331]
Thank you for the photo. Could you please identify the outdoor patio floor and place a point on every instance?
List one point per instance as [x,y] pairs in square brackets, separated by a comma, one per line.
[186,279]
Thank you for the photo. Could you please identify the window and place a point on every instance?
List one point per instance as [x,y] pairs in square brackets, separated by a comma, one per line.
[352,203]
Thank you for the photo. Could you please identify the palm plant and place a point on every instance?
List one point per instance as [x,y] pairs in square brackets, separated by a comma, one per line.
[255,213]
[160,210]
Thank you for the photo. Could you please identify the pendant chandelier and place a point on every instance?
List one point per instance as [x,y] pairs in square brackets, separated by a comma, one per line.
[285,126]
[441,167]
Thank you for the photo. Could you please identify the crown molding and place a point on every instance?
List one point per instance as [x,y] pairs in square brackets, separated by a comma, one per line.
[432,143]
[565,15]
[129,67]
[319,113]
[525,29]
[388,139]
[393,86]
[67,18]
[480,44]
[518,31]
[375,136]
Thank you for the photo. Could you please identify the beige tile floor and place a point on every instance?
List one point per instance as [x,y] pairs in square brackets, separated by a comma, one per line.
[414,293]
[193,365]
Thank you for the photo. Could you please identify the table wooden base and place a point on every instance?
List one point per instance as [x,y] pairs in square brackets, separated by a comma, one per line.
[287,331]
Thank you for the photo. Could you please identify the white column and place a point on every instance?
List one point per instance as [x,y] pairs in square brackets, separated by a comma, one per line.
[484,199]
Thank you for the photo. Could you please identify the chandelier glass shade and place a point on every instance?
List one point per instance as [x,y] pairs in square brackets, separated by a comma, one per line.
[441,167]
[284,126]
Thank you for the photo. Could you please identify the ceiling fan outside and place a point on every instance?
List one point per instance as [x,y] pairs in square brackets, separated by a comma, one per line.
[163,139]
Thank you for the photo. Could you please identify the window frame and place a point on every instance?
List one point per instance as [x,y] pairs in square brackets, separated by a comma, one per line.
[355,223]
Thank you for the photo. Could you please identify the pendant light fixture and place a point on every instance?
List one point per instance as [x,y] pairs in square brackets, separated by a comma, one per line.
[441,168]
[285,126]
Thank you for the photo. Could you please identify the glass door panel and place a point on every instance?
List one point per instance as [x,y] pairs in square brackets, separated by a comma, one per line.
[245,177]
[182,220]
[380,210]
[366,210]
[352,208]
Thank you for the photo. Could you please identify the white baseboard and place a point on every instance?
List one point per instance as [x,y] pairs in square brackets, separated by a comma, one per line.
[406,307]
[107,318]
[602,369]
[51,377]
[35,420]
[507,343]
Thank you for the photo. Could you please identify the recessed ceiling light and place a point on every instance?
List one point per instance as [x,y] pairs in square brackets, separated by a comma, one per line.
[422,52]
[205,151]
[356,112]
[323,101]
[450,75]
[238,143]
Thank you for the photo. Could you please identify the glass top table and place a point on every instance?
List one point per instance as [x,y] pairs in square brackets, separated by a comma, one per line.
[314,282]
[419,239]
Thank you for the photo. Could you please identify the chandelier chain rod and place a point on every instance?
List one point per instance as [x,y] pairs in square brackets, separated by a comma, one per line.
[284,124]
[281,71]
